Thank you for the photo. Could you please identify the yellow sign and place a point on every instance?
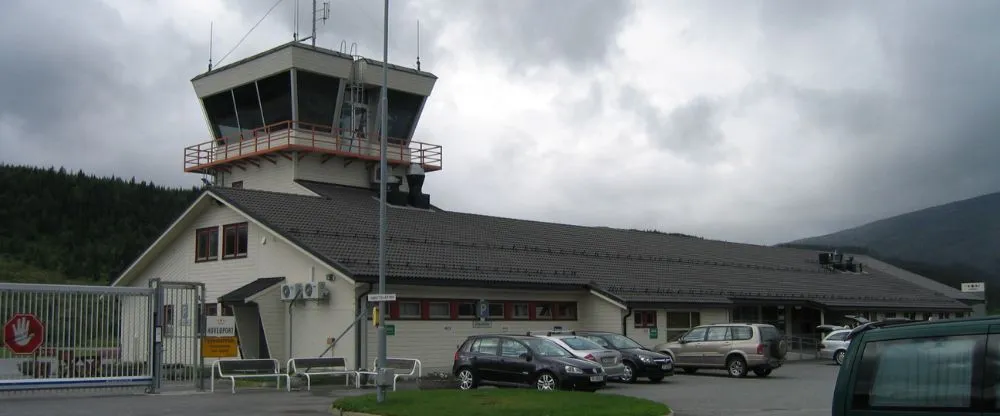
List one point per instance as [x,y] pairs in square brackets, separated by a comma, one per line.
[219,347]
[375,316]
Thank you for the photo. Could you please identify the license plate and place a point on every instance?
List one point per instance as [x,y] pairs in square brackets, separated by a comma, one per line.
[596,379]
[665,367]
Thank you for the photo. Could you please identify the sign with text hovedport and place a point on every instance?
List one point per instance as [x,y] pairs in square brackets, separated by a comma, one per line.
[220,326]
[974,287]
[219,347]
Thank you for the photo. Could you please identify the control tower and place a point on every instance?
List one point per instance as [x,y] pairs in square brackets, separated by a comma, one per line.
[301,112]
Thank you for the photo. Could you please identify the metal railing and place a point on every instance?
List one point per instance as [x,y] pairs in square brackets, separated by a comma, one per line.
[804,347]
[296,135]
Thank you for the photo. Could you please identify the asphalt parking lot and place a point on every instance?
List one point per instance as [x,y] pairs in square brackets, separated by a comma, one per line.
[801,389]
[798,388]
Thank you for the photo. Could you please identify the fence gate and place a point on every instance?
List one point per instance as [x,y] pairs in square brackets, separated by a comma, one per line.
[177,337]
[72,337]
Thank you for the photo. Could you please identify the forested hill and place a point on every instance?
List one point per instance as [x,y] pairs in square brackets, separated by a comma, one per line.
[57,226]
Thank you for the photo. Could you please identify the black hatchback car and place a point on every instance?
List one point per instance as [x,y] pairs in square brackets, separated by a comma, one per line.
[639,361]
[523,361]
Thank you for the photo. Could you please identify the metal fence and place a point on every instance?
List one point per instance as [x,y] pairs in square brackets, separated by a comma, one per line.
[58,337]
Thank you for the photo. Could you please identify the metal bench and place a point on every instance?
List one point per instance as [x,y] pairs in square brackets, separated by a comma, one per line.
[233,369]
[403,367]
[325,366]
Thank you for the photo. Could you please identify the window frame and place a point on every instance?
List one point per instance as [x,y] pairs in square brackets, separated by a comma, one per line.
[644,318]
[246,243]
[211,231]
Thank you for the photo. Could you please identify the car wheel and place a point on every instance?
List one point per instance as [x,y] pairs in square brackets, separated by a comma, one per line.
[466,379]
[737,366]
[546,382]
[762,372]
[655,379]
[629,375]
[838,357]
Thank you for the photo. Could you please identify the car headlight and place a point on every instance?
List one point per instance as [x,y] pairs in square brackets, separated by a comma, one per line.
[573,370]
[645,359]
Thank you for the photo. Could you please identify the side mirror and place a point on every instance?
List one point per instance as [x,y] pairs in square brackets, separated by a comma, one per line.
[682,341]
[525,356]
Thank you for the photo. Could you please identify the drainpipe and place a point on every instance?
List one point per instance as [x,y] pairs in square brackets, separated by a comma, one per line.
[625,321]
[357,330]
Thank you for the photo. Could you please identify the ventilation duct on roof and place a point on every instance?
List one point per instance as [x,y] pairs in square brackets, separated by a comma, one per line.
[415,181]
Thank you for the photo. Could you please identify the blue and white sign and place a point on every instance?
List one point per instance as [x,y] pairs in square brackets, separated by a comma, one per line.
[484,310]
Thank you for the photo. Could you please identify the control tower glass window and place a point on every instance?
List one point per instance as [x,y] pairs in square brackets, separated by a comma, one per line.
[222,115]
[403,109]
[276,99]
[248,110]
[317,96]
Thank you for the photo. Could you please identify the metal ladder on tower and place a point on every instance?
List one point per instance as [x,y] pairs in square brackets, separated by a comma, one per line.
[358,102]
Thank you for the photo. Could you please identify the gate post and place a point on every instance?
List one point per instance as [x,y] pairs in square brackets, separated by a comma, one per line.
[156,352]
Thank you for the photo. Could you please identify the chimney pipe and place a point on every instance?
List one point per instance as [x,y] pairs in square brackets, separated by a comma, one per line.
[415,181]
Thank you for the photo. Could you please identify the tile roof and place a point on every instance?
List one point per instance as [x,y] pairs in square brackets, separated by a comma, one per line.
[341,227]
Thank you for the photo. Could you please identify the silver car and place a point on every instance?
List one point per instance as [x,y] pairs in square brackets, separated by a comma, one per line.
[834,346]
[584,348]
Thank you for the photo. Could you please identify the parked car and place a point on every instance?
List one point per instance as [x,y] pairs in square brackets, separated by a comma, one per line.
[522,360]
[834,346]
[584,348]
[638,361]
[737,348]
[938,367]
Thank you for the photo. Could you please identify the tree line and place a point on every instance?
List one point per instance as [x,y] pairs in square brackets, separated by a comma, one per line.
[81,226]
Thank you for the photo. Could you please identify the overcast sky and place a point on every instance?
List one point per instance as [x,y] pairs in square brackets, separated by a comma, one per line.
[751,121]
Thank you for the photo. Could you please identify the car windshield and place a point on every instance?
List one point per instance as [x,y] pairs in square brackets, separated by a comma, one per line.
[622,342]
[579,344]
[546,348]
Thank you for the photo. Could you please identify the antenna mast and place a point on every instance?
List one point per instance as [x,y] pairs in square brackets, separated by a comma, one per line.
[326,15]
[418,44]
[211,37]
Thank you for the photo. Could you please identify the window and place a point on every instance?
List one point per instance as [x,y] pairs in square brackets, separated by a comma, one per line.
[206,244]
[519,311]
[837,336]
[679,323]
[237,184]
[717,333]
[317,96]
[934,373]
[221,112]
[747,314]
[439,310]
[248,110]
[512,348]
[403,108]
[566,311]
[467,310]
[486,346]
[496,310]
[697,334]
[644,319]
[580,343]
[910,315]
[211,309]
[409,310]
[234,240]
[959,314]
[743,333]
[890,315]
[598,340]
[276,98]
[227,310]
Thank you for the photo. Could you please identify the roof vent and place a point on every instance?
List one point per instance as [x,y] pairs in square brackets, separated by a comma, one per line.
[415,180]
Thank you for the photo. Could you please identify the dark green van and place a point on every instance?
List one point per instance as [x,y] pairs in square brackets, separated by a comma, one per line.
[945,367]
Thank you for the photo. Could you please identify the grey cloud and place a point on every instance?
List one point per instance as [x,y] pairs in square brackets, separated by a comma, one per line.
[538,33]
[691,129]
